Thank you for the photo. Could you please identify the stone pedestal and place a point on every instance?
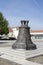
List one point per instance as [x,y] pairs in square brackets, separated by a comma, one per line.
[24,38]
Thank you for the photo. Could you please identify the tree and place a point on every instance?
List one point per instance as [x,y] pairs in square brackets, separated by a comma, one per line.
[3,25]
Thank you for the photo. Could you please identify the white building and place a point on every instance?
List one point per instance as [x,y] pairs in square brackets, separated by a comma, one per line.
[15,31]
[10,34]
[35,34]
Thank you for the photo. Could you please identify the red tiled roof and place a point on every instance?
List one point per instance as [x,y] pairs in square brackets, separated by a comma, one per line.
[10,30]
[36,30]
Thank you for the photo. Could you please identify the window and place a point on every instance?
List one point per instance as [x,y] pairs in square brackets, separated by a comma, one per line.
[38,37]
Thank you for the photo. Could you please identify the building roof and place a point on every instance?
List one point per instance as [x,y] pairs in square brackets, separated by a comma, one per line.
[35,31]
[10,29]
[32,31]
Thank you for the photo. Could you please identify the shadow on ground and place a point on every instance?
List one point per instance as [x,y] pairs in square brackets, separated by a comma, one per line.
[7,62]
[37,59]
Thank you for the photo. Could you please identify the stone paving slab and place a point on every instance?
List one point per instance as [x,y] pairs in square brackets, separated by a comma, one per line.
[17,56]
[20,55]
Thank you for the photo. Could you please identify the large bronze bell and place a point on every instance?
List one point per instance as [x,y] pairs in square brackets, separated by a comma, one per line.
[24,37]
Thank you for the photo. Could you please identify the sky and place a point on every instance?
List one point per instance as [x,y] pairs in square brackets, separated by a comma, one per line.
[16,10]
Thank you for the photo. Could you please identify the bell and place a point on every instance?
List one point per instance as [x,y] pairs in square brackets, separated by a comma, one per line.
[24,37]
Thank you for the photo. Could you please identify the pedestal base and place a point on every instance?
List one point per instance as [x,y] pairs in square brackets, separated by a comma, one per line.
[24,46]
[31,47]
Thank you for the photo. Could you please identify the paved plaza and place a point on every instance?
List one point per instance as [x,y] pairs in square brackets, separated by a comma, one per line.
[19,55]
